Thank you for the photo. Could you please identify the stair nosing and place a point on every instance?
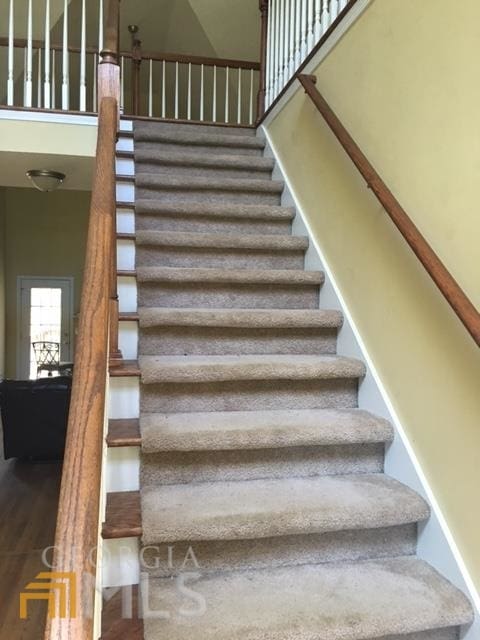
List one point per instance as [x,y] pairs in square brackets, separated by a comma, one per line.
[199,240]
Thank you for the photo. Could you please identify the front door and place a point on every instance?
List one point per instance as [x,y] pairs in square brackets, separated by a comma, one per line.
[46,314]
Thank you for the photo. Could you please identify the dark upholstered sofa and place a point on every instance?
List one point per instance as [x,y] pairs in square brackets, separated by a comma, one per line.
[34,417]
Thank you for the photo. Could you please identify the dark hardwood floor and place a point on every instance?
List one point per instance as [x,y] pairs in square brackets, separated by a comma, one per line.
[28,509]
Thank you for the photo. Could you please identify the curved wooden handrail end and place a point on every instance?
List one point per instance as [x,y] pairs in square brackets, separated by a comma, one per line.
[446,283]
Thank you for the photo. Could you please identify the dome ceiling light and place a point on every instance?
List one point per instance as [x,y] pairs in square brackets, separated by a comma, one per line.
[45,179]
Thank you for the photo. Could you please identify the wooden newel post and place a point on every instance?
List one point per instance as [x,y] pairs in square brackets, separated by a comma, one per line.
[263,6]
[136,64]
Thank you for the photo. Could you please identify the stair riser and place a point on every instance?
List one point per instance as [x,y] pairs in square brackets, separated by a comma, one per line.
[217,466]
[215,258]
[179,194]
[202,149]
[269,553]
[203,224]
[234,296]
[249,396]
[202,172]
[224,341]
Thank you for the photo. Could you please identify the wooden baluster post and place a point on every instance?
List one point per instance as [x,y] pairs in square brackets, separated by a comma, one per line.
[263,6]
[136,64]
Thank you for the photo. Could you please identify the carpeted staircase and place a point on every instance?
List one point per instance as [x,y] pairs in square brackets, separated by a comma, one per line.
[256,462]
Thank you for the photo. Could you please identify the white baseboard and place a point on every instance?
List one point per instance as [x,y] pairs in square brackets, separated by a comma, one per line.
[435,544]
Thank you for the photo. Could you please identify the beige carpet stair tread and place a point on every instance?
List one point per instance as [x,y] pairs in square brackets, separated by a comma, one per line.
[240,318]
[230,430]
[342,601]
[194,183]
[156,369]
[185,159]
[195,138]
[285,506]
[214,209]
[230,276]
[221,241]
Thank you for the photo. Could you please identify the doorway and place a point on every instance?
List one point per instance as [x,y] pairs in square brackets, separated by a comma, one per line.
[45,314]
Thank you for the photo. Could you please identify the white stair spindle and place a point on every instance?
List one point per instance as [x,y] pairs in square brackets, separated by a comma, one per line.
[150,89]
[276,80]
[65,61]
[39,79]
[311,19]
[28,97]
[164,89]
[189,92]
[94,98]
[214,101]
[239,97]
[10,79]
[318,21]
[268,70]
[24,75]
[325,16]
[334,10]
[250,113]
[83,55]
[46,82]
[291,46]
[202,93]
[304,46]
[298,34]
[227,94]
[281,52]
[286,44]
[53,100]
[100,26]
[176,91]
[122,84]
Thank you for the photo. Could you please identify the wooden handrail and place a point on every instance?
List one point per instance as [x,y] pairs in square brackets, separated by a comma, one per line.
[21,43]
[449,287]
[79,506]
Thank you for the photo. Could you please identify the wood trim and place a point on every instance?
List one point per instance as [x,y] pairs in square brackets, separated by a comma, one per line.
[195,60]
[449,287]
[129,316]
[21,43]
[111,46]
[124,178]
[125,205]
[125,236]
[309,58]
[125,273]
[123,517]
[123,433]
[68,112]
[79,504]
[206,123]
[125,369]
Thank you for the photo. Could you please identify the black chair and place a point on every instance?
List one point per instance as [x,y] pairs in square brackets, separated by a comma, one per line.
[47,356]
[34,417]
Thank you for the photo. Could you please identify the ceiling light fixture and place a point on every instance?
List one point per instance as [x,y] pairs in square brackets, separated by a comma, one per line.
[45,179]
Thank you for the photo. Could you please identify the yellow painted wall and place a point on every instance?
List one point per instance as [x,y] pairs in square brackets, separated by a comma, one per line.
[403,80]
[45,236]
